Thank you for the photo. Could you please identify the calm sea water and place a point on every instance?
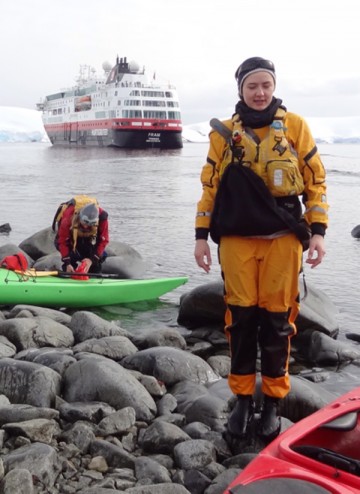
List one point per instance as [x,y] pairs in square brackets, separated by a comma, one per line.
[151,198]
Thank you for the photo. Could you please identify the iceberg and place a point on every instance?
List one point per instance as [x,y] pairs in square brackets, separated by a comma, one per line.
[21,125]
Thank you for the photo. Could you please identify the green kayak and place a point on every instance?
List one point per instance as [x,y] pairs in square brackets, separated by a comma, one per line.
[55,291]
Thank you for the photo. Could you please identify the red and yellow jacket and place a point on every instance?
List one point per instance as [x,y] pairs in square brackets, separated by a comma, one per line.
[98,234]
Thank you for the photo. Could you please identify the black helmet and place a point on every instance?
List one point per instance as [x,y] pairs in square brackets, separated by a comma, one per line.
[89,215]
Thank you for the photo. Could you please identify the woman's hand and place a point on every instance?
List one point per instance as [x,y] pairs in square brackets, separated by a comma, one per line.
[317,244]
[202,254]
[86,265]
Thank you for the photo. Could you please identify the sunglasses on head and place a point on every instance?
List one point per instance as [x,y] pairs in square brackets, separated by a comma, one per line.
[253,64]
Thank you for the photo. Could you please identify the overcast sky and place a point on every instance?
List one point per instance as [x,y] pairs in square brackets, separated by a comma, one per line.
[195,44]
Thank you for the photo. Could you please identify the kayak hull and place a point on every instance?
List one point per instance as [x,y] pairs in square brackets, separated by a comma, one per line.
[54,291]
[319,454]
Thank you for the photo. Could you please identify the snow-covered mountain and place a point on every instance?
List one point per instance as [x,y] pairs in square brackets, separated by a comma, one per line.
[24,125]
[330,130]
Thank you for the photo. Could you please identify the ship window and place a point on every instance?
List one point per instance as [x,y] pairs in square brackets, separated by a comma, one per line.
[135,93]
[168,94]
[174,115]
[172,104]
[132,102]
[131,113]
[154,114]
[153,94]
[153,103]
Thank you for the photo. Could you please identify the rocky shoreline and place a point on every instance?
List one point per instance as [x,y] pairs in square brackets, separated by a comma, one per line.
[87,406]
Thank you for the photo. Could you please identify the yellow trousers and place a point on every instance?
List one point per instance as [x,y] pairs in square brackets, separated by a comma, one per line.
[262,297]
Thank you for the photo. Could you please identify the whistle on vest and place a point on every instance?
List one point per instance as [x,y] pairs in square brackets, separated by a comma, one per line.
[236,136]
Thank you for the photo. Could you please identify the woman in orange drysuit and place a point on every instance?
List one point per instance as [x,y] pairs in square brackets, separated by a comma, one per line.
[258,164]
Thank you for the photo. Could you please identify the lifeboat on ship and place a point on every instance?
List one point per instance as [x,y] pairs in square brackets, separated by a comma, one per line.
[82,103]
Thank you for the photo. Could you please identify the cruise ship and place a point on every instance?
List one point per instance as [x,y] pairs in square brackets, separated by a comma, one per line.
[123,108]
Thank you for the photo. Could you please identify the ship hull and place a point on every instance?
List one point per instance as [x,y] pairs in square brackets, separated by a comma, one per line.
[131,139]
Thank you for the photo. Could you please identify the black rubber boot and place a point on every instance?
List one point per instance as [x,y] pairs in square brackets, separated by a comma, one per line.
[270,422]
[241,416]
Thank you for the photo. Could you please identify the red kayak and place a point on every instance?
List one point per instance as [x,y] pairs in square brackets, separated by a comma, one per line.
[318,455]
